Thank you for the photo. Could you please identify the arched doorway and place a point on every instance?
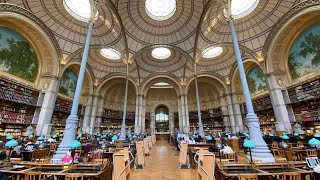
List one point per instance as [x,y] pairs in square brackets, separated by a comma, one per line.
[162,119]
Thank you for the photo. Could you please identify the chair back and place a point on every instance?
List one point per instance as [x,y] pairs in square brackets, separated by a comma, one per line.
[101,161]
[281,160]
[39,154]
[32,175]
[15,159]
[72,176]
[43,161]
[275,145]
[311,153]
[231,156]
[223,161]
[292,176]
[300,144]
[248,177]
[281,153]
[256,161]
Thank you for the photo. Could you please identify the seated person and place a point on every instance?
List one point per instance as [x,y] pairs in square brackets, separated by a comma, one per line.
[226,149]
[67,158]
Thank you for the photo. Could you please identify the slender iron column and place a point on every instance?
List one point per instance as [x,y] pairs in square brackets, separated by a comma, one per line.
[123,126]
[261,150]
[72,121]
[199,111]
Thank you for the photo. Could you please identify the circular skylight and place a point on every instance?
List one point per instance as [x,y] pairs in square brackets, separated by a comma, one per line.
[242,8]
[80,9]
[161,84]
[160,10]
[161,53]
[212,52]
[110,53]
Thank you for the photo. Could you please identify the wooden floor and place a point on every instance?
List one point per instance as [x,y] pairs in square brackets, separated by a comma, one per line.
[162,164]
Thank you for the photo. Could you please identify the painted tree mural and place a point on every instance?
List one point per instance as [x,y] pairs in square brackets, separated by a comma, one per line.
[304,55]
[17,56]
[256,80]
[68,83]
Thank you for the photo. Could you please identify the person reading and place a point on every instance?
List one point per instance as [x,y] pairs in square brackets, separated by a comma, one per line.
[67,158]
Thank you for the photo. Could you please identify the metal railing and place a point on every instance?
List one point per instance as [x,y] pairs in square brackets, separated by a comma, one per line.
[202,168]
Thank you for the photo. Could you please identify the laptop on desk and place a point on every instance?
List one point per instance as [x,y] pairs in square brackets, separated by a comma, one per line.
[312,162]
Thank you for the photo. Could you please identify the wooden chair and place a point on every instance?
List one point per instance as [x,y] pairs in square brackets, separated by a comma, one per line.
[74,176]
[43,161]
[223,161]
[231,156]
[32,175]
[39,154]
[281,160]
[311,153]
[52,148]
[292,176]
[275,148]
[248,177]
[281,153]
[256,161]
[101,161]
[15,159]
[300,144]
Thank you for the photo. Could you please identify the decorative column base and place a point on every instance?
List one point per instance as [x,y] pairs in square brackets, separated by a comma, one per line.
[137,129]
[200,131]
[261,150]
[123,132]
[68,138]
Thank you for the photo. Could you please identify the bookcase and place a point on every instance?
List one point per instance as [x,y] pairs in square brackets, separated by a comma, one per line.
[212,119]
[263,108]
[305,101]
[61,112]
[18,103]
[112,119]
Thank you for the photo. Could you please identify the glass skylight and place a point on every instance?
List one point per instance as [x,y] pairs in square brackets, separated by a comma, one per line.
[110,53]
[160,10]
[212,52]
[161,84]
[80,9]
[241,8]
[161,53]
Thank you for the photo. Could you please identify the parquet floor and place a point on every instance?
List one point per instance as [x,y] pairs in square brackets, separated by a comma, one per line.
[162,164]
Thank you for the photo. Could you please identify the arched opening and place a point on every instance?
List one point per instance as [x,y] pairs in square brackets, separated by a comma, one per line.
[162,119]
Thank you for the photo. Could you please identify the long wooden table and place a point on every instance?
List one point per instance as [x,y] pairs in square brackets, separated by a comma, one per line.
[263,170]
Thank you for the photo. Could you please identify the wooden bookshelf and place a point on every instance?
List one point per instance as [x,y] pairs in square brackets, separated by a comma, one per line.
[212,119]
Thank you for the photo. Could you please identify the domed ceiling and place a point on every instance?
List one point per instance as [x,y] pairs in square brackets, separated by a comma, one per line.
[125,25]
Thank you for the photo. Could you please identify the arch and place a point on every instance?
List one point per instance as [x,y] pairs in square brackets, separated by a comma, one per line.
[214,77]
[283,34]
[160,78]
[45,45]
[248,65]
[88,74]
[101,88]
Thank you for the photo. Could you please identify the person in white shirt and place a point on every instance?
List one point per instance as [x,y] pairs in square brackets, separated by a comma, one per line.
[226,149]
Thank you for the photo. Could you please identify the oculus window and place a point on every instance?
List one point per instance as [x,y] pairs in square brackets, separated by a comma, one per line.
[241,8]
[160,10]
[161,53]
[79,9]
[212,52]
[110,53]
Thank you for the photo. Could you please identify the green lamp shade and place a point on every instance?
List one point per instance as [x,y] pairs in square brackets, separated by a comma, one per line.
[114,138]
[11,143]
[129,135]
[296,134]
[9,137]
[104,136]
[40,138]
[75,144]
[80,135]
[30,136]
[317,135]
[6,130]
[60,135]
[314,141]
[285,137]
[208,138]
[54,136]
[248,144]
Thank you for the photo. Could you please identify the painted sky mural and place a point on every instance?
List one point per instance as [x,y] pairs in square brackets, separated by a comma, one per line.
[68,82]
[256,80]
[304,54]
[17,56]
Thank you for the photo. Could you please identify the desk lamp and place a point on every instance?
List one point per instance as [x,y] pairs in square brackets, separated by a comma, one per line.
[10,144]
[249,144]
[283,144]
[9,137]
[314,142]
[317,134]
[74,145]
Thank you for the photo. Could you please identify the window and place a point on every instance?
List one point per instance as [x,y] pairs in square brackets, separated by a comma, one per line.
[241,8]
[160,10]
[161,53]
[212,52]
[162,119]
[79,9]
[110,53]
